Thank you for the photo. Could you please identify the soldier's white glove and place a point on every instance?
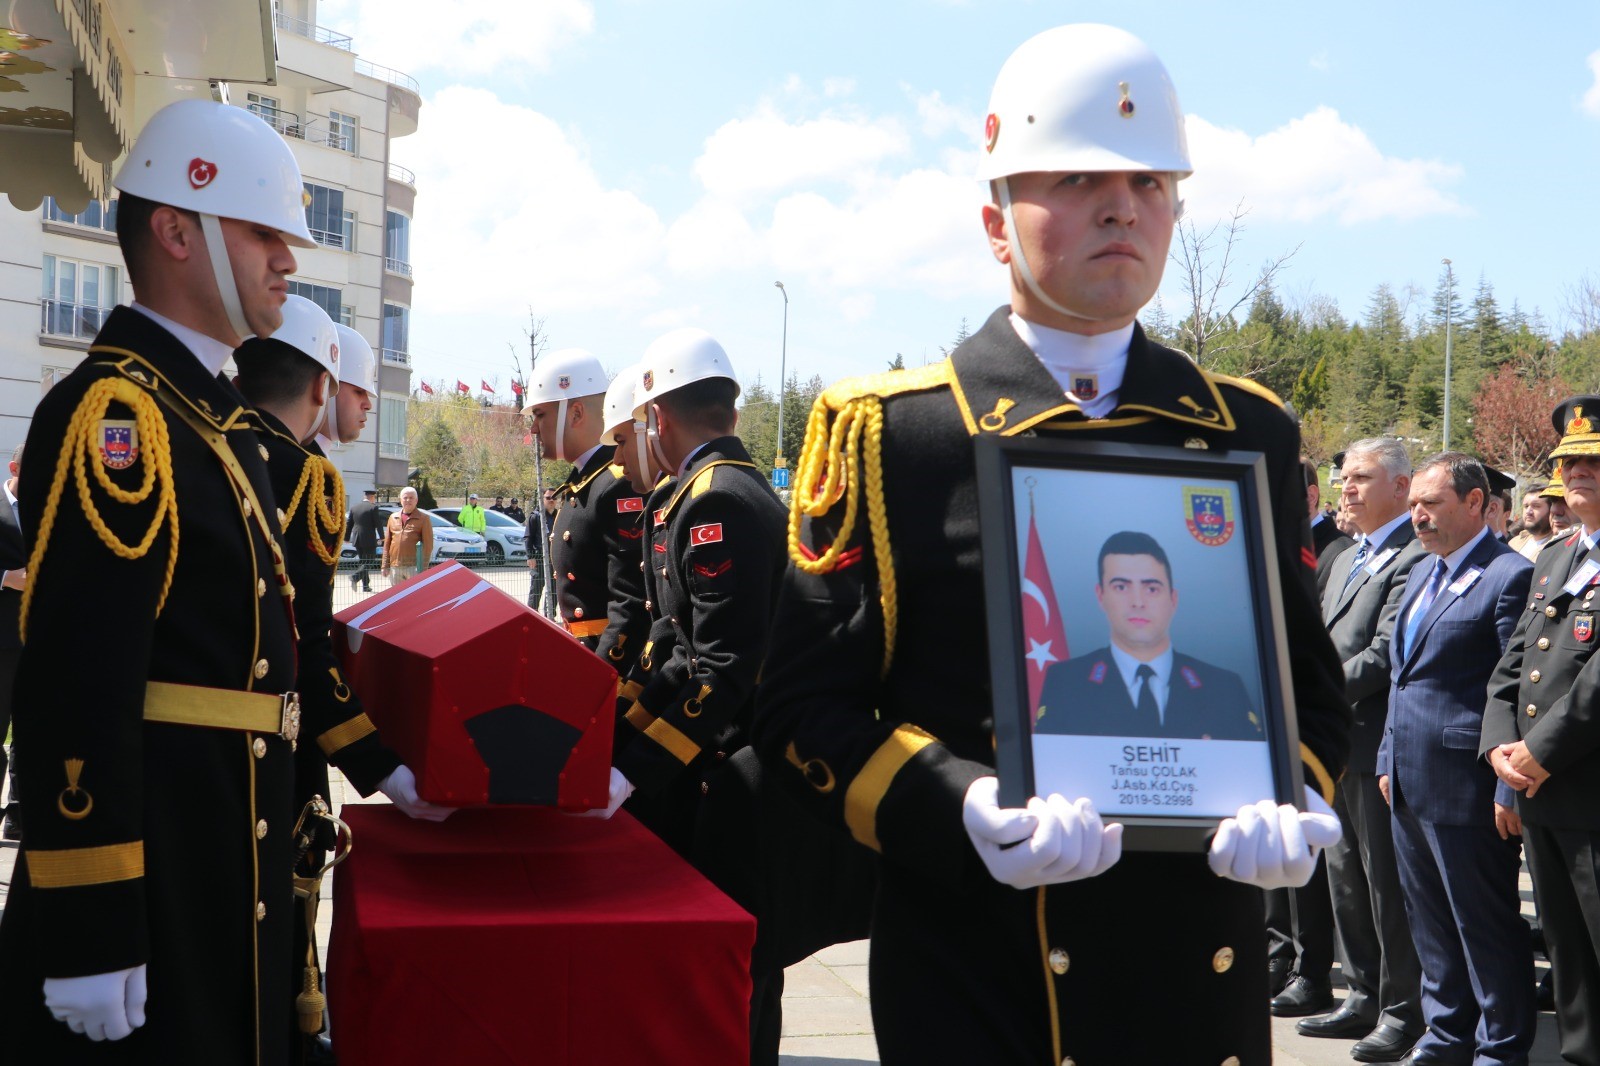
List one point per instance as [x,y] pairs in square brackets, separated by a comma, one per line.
[1050,842]
[1272,846]
[102,1006]
[401,787]
[618,791]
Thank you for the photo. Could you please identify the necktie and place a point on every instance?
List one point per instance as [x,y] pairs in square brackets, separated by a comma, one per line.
[1360,561]
[1148,711]
[1430,592]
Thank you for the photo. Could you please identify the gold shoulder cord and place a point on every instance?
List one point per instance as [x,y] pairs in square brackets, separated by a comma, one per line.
[77,451]
[823,476]
[315,477]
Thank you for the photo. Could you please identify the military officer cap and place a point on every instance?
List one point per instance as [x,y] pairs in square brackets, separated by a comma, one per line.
[1499,482]
[1555,490]
[1574,419]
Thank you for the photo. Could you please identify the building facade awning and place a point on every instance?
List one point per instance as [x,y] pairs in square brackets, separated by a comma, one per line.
[79,78]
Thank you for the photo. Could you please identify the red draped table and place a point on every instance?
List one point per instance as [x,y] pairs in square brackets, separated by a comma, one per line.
[523,935]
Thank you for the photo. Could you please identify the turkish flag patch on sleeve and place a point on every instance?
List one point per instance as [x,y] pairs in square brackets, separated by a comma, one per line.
[710,534]
[630,503]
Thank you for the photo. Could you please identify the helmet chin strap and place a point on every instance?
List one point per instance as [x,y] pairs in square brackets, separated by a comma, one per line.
[653,431]
[1020,258]
[561,430]
[642,447]
[222,270]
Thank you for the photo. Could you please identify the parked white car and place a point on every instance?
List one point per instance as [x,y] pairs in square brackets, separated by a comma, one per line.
[508,538]
[450,541]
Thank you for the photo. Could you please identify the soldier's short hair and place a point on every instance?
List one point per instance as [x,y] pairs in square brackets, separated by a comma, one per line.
[1130,542]
[708,402]
[271,371]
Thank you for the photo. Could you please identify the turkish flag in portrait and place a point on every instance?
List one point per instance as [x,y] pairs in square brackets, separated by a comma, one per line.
[1041,618]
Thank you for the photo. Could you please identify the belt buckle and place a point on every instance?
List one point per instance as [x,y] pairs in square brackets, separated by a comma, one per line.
[290,723]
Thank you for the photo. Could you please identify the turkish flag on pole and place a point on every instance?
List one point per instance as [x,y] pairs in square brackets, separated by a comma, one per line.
[1041,619]
[486,386]
[461,387]
[516,387]
[427,388]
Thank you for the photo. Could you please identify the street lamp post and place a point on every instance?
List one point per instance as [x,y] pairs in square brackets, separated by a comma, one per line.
[1449,289]
[783,362]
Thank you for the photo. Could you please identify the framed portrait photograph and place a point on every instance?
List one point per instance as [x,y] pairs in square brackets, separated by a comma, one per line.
[1136,643]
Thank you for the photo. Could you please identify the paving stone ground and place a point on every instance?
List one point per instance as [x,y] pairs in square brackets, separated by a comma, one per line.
[827,1018]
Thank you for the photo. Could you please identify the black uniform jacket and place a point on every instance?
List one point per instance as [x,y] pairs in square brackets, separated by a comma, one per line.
[1546,690]
[716,584]
[13,556]
[336,728]
[595,544]
[659,638]
[1087,697]
[876,703]
[150,841]
[364,518]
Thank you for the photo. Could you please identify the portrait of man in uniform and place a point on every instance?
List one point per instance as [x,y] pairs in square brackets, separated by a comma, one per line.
[1139,685]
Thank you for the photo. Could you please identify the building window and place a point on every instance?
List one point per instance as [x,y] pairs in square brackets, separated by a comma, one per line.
[77,296]
[321,295]
[268,110]
[396,335]
[330,224]
[392,428]
[97,215]
[397,244]
[342,131]
[262,106]
[50,375]
[347,316]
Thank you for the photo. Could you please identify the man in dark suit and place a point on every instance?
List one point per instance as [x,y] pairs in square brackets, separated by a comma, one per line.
[364,518]
[1359,608]
[13,576]
[1541,733]
[1457,857]
[1300,920]
[1139,686]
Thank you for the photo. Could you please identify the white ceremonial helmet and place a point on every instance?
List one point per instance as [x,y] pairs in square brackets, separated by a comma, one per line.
[619,403]
[219,162]
[308,330]
[672,361]
[1082,98]
[358,365]
[1085,98]
[565,374]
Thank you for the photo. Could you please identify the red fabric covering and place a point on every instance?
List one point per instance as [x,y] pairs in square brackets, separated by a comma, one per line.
[522,935]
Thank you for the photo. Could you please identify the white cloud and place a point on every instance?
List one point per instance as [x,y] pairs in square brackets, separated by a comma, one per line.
[462,38]
[672,318]
[1319,62]
[939,118]
[837,87]
[512,214]
[765,153]
[712,236]
[1312,168]
[1591,98]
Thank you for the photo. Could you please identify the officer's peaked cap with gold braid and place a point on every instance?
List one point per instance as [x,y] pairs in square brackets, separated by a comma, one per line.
[1578,421]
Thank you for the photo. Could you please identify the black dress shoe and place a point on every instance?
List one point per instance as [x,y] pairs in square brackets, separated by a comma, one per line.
[1302,996]
[1386,1043]
[1341,1023]
[1544,996]
[1279,973]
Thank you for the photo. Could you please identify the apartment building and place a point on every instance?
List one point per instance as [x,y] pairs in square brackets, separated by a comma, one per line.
[61,273]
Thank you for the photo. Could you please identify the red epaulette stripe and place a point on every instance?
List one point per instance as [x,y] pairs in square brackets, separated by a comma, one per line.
[1308,557]
[847,558]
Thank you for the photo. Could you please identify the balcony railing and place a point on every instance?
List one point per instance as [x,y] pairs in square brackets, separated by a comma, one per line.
[59,319]
[389,450]
[390,75]
[397,266]
[311,32]
[330,239]
[401,174]
[394,358]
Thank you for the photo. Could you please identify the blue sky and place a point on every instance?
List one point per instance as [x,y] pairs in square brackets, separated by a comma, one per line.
[628,167]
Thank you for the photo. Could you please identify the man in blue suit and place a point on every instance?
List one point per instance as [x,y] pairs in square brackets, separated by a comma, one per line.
[1454,836]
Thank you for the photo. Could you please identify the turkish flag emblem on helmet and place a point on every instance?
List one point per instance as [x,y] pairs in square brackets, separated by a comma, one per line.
[201,172]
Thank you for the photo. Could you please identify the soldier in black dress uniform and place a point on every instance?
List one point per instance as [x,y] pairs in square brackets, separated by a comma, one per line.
[876,703]
[596,535]
[294,380]
[160,724]
[1541,734]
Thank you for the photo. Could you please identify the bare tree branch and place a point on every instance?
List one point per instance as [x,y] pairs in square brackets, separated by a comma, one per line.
[1206,282]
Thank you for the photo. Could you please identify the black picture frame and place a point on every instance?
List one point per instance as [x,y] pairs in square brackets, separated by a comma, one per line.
[1091,487]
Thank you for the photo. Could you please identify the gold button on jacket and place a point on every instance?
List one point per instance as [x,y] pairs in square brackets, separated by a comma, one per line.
[1222,961]
[1059,961]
